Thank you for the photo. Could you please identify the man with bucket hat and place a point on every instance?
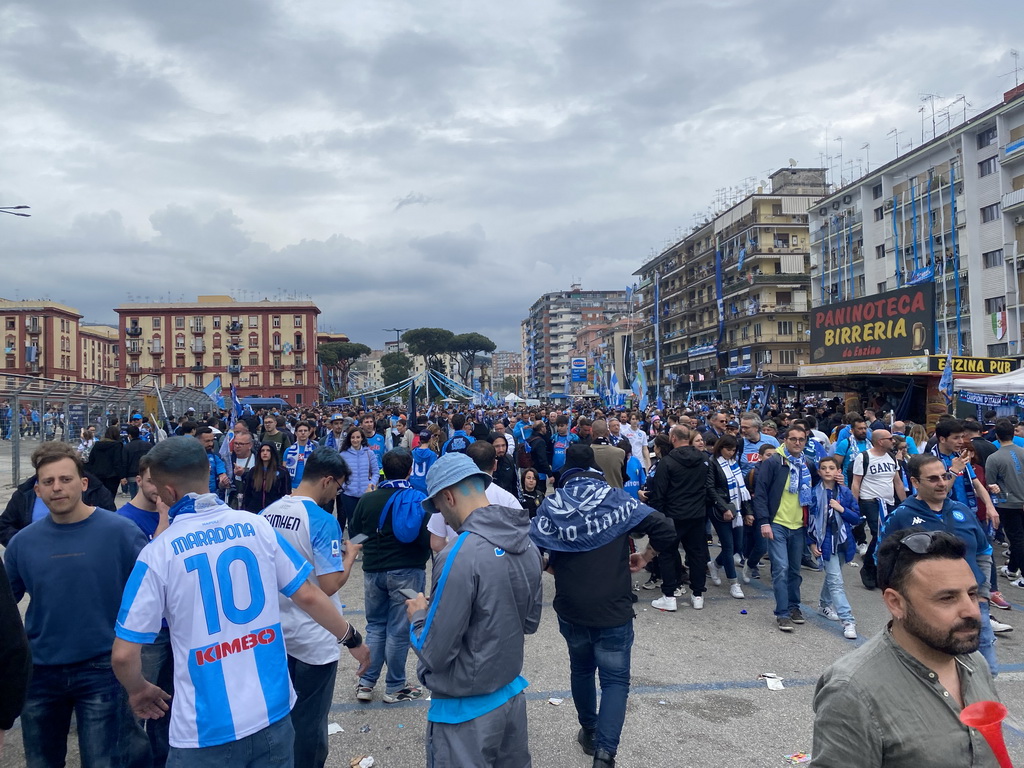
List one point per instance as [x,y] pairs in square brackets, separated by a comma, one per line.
[486,595]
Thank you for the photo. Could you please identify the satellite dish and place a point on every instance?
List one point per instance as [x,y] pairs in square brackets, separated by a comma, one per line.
[792,163]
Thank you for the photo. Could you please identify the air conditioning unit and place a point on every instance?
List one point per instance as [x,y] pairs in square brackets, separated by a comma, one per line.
[847,199]
[1018,220]
[887,206]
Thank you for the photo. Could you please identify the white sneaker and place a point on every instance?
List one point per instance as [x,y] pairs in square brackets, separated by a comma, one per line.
[1018,583]
[1007,573]
[738,558]
[747,573]
[850,631]
[736,591]
[713,573]
[862,549]
[998,627]
[680,591]
[697,601]
[829,612]
[664,603]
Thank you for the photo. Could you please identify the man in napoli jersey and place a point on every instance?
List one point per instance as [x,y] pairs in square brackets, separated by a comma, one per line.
[213,575]
[301,520]
[296,454]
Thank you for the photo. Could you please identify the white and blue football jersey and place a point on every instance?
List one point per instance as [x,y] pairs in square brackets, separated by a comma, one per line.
[316,535]
[215,574]
[294,460]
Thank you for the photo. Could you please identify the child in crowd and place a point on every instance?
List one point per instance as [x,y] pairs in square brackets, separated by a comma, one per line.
[833,513]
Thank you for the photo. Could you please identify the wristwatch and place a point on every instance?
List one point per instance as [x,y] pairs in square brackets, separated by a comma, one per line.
[352,638]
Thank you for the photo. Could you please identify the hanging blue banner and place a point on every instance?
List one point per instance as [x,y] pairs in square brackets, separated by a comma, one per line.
[718,295]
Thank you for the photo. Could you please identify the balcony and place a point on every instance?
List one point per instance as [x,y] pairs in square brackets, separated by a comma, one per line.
[198,347]
[133,350]
[298,347]
[298,365]
[133,368]
[156,366]
[235,348]
[198,329]
[1011,152]
[198,368]
[1013,201]
[234,369]
[156,349]
[31,367]
[234,327]
[34,328]
[133,331]
[275,347]
[276,366]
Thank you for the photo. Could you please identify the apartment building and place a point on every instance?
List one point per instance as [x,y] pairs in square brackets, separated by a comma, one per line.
[98,362]
[950,213]
[549,333]
[41,339]
[729,302]
[261,346]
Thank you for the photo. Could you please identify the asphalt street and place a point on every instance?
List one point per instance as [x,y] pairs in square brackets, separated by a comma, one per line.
[695,700]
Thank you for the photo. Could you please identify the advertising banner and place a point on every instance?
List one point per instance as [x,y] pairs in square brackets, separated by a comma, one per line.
[886,325]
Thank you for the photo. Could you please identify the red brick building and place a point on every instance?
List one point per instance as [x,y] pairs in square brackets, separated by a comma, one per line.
[266,348]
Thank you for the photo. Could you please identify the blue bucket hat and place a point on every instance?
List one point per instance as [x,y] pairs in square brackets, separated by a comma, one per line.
[448,470]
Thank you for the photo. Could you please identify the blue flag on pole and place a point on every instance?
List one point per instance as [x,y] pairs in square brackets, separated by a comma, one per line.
[239,410]
[946,382]
[213,391]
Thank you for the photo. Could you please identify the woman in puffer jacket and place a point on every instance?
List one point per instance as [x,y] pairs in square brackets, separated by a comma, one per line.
[362,461]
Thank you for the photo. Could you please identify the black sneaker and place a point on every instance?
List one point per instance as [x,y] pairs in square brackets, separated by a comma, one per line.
[785,623]
[796,617]
[586,740]
[867,577]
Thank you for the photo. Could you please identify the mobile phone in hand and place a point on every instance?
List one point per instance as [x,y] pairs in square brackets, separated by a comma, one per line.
[409,594]
[359,538]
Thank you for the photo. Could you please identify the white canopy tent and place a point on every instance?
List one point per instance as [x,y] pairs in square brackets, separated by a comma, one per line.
[511,397]
[1011,383]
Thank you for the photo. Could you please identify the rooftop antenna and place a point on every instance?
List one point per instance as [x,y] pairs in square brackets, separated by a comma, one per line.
[930,97]
[840,140]
[867,155]
[896,133]
[1016,67]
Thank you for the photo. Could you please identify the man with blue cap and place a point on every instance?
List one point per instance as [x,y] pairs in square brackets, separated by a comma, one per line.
[486,596]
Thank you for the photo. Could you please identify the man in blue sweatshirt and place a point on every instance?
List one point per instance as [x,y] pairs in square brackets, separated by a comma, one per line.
[931,509]
[74,563]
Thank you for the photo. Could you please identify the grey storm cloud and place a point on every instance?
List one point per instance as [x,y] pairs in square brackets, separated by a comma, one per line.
[437,164]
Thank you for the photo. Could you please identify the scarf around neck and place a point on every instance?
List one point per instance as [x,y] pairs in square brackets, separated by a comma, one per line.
[799,477]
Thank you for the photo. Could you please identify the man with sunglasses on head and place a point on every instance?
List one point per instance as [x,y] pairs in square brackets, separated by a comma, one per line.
[896,700]
[931,509]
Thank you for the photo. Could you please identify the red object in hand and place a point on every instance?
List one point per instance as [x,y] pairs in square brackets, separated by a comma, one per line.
[987,718]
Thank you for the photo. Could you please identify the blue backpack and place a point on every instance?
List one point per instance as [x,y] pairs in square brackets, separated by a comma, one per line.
[406,514]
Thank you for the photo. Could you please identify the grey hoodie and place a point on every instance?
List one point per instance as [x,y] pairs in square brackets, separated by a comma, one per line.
[486,595]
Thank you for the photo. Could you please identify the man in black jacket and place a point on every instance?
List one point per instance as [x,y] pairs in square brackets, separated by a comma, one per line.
[683,489]
[593,597]
[25,507]
[15,659]
[541,454]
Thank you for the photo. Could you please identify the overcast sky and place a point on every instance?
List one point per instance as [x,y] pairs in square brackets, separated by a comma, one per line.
[443,163]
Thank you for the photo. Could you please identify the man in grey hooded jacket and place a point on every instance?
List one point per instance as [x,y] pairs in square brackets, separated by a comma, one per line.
[486,596]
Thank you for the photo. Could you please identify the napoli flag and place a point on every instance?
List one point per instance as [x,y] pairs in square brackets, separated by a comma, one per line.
[946,382]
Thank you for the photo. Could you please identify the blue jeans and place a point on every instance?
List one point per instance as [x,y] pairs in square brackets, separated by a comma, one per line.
[987,645]
[314,691]
[785,552]
[725,538]
[832,590]
[754,545]
[90,690]
[387,626]
[268,748]
[607,651]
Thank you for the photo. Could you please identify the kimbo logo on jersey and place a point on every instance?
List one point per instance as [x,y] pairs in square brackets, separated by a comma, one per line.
[218,651]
